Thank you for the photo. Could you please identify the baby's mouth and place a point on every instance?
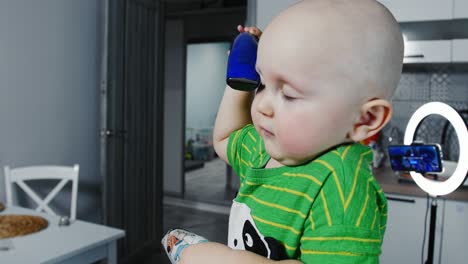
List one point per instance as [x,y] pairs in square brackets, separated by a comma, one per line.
[266,133]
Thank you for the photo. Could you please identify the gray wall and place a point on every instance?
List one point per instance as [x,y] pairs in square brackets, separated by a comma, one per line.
[174,100]
[49,71]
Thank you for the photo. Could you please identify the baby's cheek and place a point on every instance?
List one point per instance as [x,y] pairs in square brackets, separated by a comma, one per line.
[295,139]
[293,147]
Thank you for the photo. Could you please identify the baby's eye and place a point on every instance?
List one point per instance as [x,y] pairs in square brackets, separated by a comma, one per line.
[289,93]
[288,97]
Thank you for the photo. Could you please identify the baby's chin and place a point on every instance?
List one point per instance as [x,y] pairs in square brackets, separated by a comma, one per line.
[291,161]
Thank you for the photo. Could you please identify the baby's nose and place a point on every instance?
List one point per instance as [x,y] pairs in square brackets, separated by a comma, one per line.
[265,105]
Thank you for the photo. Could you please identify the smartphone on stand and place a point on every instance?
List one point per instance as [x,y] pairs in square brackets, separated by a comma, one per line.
[422,158]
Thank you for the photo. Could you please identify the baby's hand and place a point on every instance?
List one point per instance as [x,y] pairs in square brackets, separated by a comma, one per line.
[252,30]
[177,240]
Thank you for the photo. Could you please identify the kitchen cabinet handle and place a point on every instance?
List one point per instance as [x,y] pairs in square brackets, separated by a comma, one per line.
[415,56]
[390,198]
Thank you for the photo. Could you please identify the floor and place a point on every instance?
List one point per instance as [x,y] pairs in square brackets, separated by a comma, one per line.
[205,208]
[212,226]
[209,184]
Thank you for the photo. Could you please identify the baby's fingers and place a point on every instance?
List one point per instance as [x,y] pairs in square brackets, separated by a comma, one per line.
[252,30]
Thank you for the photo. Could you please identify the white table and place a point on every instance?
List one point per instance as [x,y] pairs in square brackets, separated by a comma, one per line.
[80,242]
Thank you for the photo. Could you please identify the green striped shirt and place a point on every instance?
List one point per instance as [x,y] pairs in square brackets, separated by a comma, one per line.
[329,210]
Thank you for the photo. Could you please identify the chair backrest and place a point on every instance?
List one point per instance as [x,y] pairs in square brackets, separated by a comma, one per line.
[63,173]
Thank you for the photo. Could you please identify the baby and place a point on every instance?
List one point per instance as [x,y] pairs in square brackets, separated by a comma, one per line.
[328,70]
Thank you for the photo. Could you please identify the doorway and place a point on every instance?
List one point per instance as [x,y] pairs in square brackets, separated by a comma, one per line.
[205,175]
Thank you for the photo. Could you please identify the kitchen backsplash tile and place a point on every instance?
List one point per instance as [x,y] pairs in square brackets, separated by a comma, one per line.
[458,88]
[413,87]
[439,84]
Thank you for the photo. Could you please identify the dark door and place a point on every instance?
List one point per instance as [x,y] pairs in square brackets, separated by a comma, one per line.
[132,110]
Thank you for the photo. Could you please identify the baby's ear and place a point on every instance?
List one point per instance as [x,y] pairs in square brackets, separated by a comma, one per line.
[374,115]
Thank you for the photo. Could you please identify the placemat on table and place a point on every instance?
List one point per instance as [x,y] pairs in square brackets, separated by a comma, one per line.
[12,225]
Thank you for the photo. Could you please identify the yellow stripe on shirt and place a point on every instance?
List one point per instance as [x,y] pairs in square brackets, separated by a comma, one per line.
[358,223]
[256,218]
[342,253]
[358,239]
[246,148]
[277,206]
[345,152]
[356,175]
[375,218]
[325,206]
[245,162]
[290,248]
[312,223]
[301,175]
[252,137]
[234,141]
[335,177]
[336,153]
[282,189]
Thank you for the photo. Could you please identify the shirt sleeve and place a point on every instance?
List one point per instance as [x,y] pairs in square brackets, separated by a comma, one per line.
[344,225]
[340,244]
[245,149]
[325,241]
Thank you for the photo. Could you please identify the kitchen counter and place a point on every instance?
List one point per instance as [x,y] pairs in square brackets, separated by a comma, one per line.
[391,184]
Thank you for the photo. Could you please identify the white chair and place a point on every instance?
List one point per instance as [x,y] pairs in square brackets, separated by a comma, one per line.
[62,173]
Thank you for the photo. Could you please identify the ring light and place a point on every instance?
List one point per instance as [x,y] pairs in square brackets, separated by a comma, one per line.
[437,188]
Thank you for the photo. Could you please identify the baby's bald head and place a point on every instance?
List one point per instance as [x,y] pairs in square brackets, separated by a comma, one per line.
[357,41]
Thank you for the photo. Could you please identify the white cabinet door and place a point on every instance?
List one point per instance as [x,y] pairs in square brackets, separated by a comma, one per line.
[460,49]
[460,9]
[455,234]
[431,51]
[420,10]
[405,230]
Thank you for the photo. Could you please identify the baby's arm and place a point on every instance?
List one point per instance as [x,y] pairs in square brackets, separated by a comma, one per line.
[234,110]
[233,114]
[216,253]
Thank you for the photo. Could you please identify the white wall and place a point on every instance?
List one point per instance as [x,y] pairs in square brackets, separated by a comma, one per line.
[267,10]
[206,79]
[49,70]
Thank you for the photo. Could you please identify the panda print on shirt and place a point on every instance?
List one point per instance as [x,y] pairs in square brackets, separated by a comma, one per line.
[244,235]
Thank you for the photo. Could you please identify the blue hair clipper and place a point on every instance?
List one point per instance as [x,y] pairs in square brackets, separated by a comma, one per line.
[241,73]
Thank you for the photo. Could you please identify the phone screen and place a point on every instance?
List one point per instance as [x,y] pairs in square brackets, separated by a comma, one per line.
[419,158]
